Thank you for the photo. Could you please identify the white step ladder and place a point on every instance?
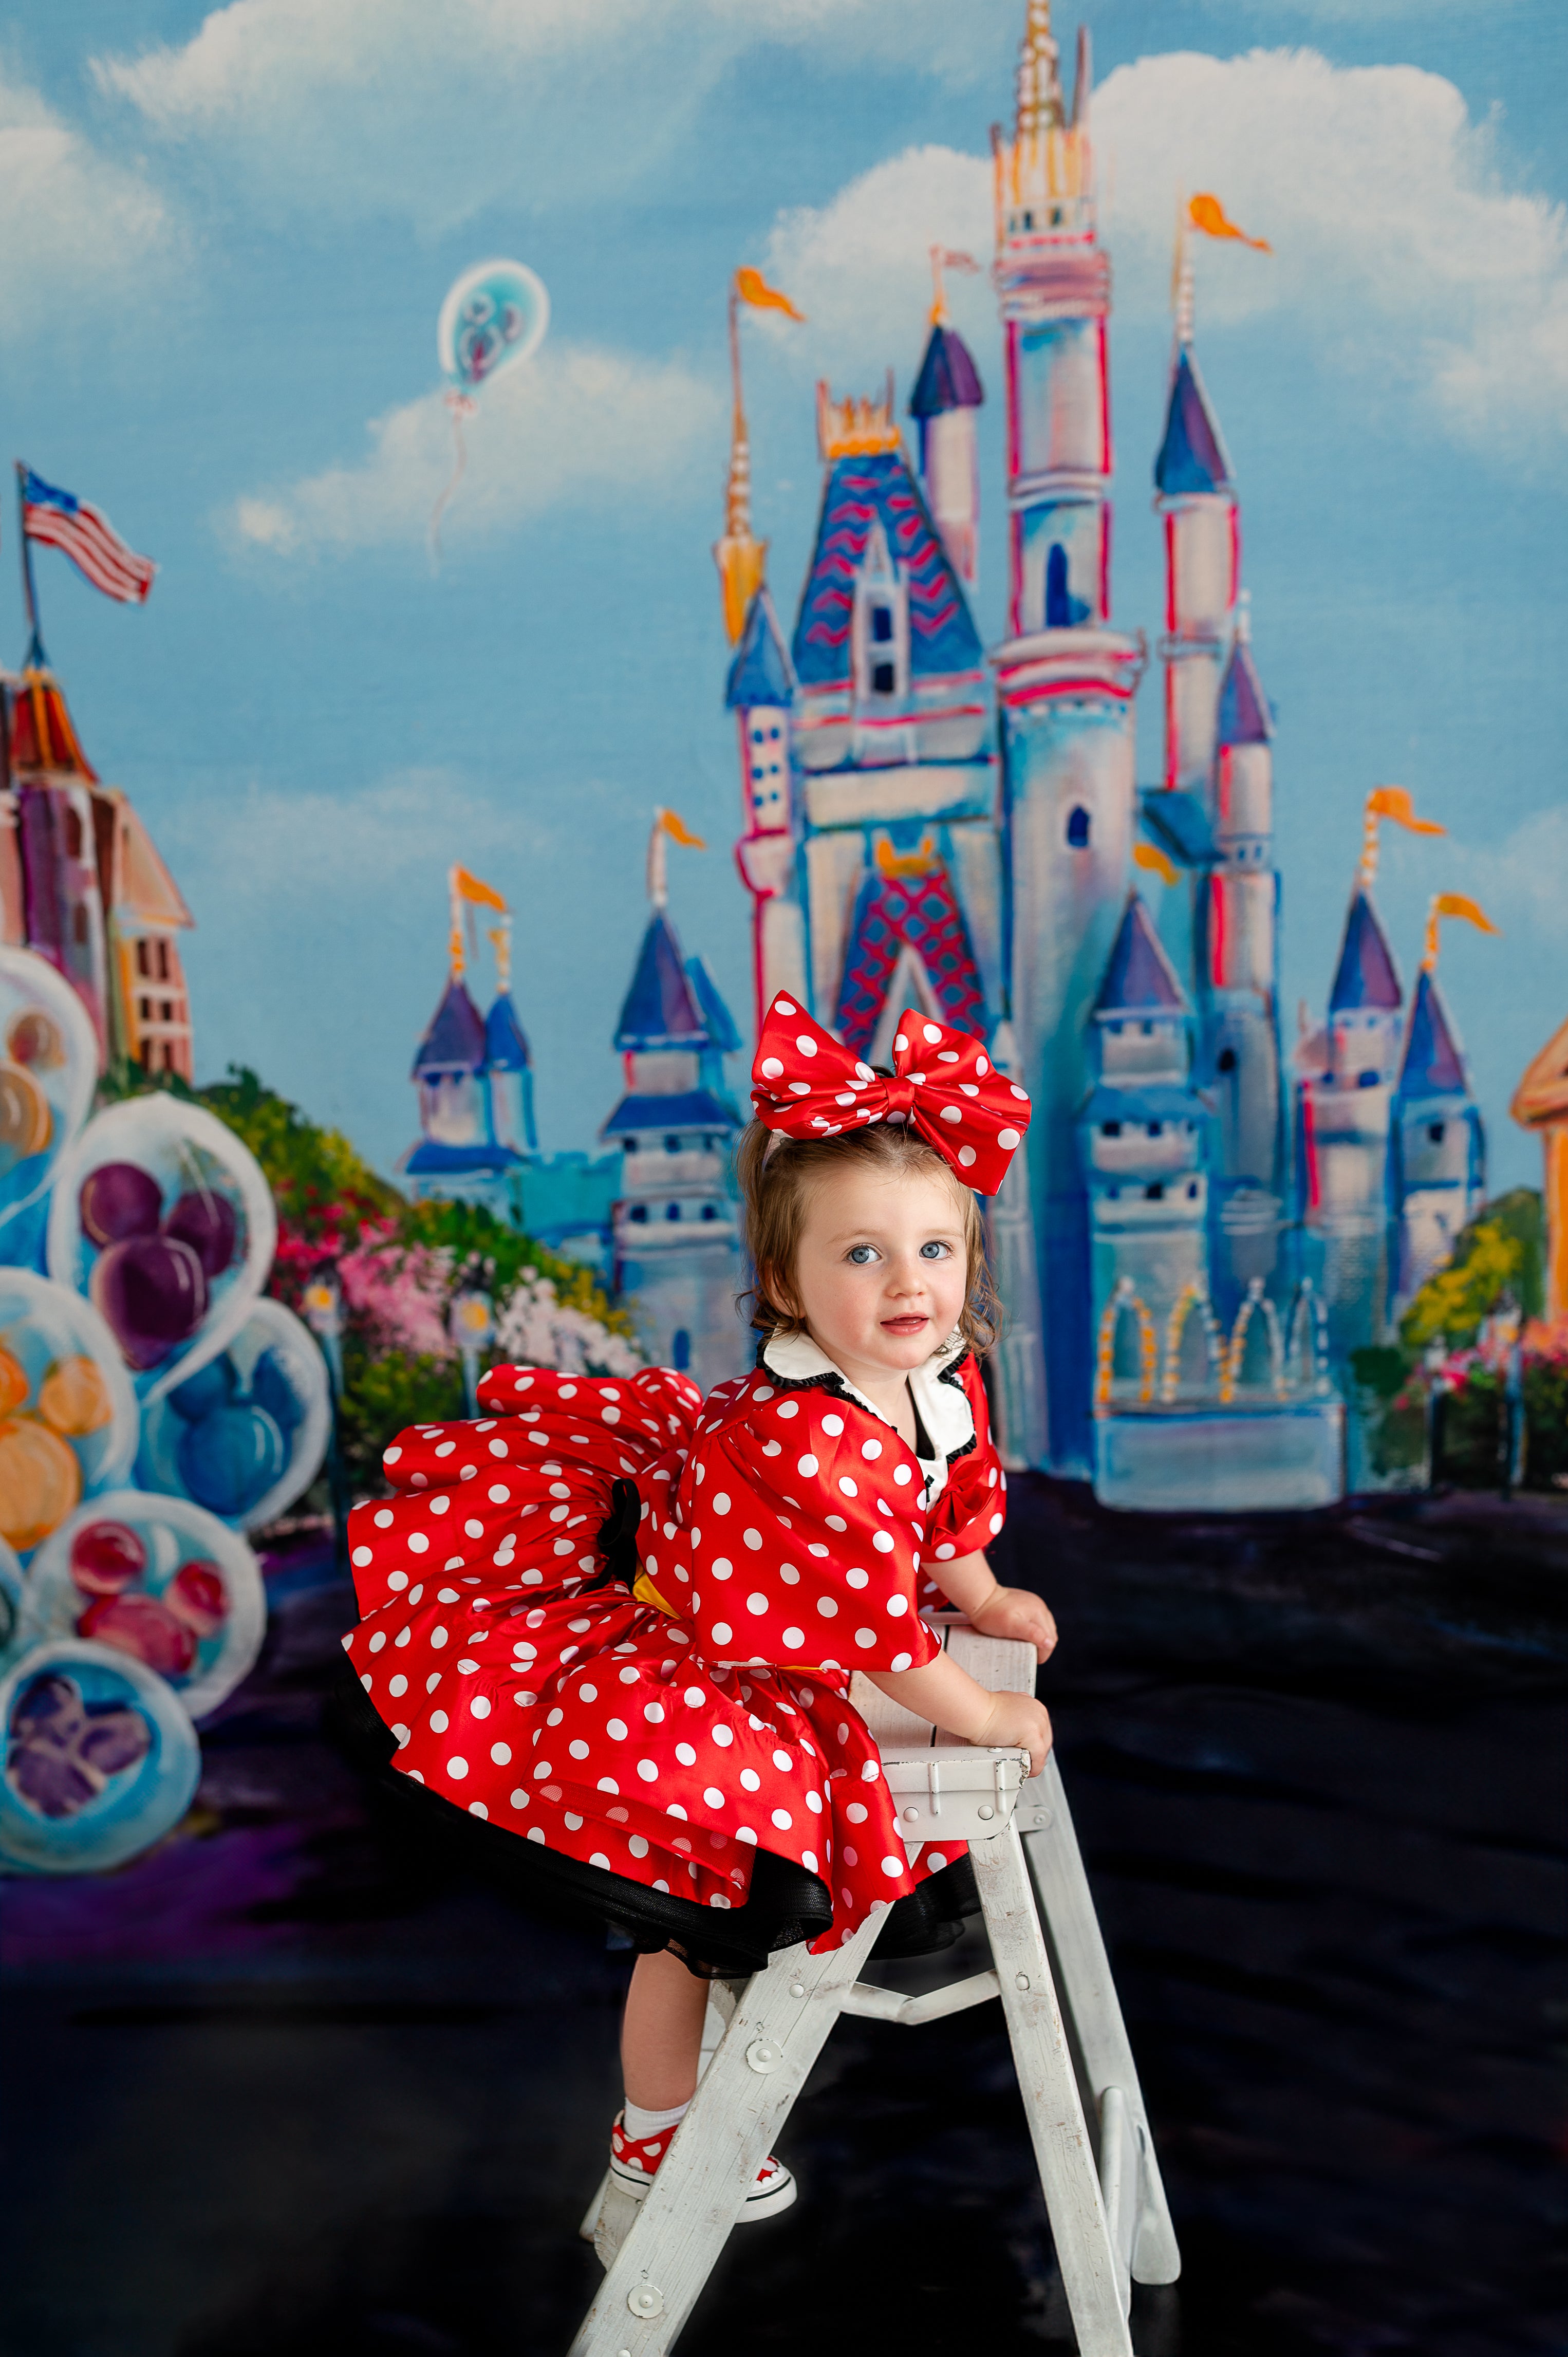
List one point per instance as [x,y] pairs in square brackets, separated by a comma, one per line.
[1089,2130]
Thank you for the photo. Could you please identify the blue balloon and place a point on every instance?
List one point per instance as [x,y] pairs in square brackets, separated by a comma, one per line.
[212,1386]
[231,1457]
[271,1389]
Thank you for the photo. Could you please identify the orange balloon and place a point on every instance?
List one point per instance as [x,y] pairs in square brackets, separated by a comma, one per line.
[73,1398]
[14,1386]
[40,1482]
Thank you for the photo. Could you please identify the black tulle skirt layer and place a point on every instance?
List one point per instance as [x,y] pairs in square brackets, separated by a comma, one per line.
[786,1904]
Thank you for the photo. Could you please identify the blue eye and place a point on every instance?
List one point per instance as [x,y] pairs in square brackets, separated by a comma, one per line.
[862,1256]
[936,1252]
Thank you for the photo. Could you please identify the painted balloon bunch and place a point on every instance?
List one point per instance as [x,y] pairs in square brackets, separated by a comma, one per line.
[155,1407]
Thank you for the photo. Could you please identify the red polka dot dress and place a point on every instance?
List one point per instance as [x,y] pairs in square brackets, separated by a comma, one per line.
[667,1729]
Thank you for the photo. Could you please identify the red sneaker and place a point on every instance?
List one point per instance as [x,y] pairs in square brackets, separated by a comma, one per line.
[635,2165]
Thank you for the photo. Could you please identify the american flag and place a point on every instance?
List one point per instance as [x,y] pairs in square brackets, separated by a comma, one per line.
[59,520]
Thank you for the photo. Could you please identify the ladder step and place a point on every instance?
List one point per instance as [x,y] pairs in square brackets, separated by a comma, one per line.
[886,2005]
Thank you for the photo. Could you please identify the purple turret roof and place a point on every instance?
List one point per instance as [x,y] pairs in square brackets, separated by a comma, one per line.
[1140,978]
[1245,717]
[1192,456]
[878,488]
[947,379]
[454,1041]
[1366,975]
[1433,1066]
[660,1009]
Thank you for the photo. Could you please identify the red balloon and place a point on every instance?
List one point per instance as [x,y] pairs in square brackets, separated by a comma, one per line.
[198,1598]
[140,1625]
[105,1557]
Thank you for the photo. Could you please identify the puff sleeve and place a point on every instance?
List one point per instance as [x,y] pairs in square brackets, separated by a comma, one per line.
[972,1507]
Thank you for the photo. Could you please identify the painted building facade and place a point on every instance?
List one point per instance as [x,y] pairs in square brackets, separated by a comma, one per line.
[82,882]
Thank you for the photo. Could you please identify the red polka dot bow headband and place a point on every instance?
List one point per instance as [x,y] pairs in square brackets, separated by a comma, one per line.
[807,1085]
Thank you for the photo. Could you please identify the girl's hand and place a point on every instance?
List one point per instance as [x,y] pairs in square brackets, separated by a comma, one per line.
[1017,1720]
[1015,1612]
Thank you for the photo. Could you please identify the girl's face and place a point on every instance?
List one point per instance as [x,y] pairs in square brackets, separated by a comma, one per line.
[882,1268]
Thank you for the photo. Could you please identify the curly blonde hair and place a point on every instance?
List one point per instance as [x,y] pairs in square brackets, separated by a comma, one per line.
[776,1175]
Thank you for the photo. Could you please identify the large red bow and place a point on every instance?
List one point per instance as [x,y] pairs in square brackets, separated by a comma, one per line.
[807,1085]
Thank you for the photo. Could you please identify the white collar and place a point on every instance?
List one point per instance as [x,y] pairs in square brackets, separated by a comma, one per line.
[944,1407]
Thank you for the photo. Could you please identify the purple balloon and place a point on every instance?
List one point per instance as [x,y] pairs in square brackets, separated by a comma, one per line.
[153,1291]
[120,1200]
[207,1223]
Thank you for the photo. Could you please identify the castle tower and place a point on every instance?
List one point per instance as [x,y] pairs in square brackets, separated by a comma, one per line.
[1439,1173]
[945,396]
[676,1244]
[1065,678]
[759,691]
[898,873]
[1347,1072]
[1142,1133]
[1196,498]
[1237,959]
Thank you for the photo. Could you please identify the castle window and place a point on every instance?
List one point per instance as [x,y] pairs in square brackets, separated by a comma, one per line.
[710,1211]
[638,1213]
[1077,828]
[143,967]
[681,1348]
[72,835]
[163,961]
[1434,1131]
[673,1210]
[1157,1129]
[1109,1129]
[1366,1080]
[671,1146]
[1155,1191]
[881,624]
[1192,1191]
[1058,599]
[1226,1059]
[883,679]
[1114,1193]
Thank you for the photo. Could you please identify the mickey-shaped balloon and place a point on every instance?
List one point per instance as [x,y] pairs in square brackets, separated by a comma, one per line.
[163,1218]
[246,1434]
[160,1579]
[97,1758]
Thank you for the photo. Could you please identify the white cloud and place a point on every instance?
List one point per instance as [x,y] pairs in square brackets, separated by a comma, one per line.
[432,111]
[1398,249]
[576,422]
[73,226]
[1518,882]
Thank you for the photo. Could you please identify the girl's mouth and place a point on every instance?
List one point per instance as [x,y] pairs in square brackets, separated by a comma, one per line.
[909,1325]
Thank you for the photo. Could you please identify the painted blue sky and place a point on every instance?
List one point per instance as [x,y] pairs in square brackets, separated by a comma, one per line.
[225,241]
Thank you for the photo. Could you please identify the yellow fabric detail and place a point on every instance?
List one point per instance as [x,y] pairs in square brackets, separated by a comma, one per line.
[646,1593]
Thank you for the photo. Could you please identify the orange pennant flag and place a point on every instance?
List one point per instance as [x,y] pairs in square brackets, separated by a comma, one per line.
[1459,904]
[470,888]
[676,828]
[1394,802]
[1158,863]
[753,288]
[1209,215]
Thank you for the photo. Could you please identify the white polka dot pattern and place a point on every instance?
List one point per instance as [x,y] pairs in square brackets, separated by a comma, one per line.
[537,1667]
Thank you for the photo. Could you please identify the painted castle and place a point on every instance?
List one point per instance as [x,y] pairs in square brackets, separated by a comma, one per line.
[1197,1238]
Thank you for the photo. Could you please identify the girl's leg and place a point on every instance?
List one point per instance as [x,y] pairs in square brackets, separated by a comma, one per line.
[662,2033]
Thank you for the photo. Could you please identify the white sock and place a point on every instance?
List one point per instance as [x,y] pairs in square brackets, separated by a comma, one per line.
[639,2125]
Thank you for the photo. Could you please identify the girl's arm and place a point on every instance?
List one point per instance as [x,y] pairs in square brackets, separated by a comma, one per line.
[969,1584]
[950,1698]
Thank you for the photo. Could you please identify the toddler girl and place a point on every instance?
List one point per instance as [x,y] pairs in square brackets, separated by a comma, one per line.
[618,1623]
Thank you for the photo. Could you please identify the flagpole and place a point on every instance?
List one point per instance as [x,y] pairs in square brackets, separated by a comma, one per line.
[35,659]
